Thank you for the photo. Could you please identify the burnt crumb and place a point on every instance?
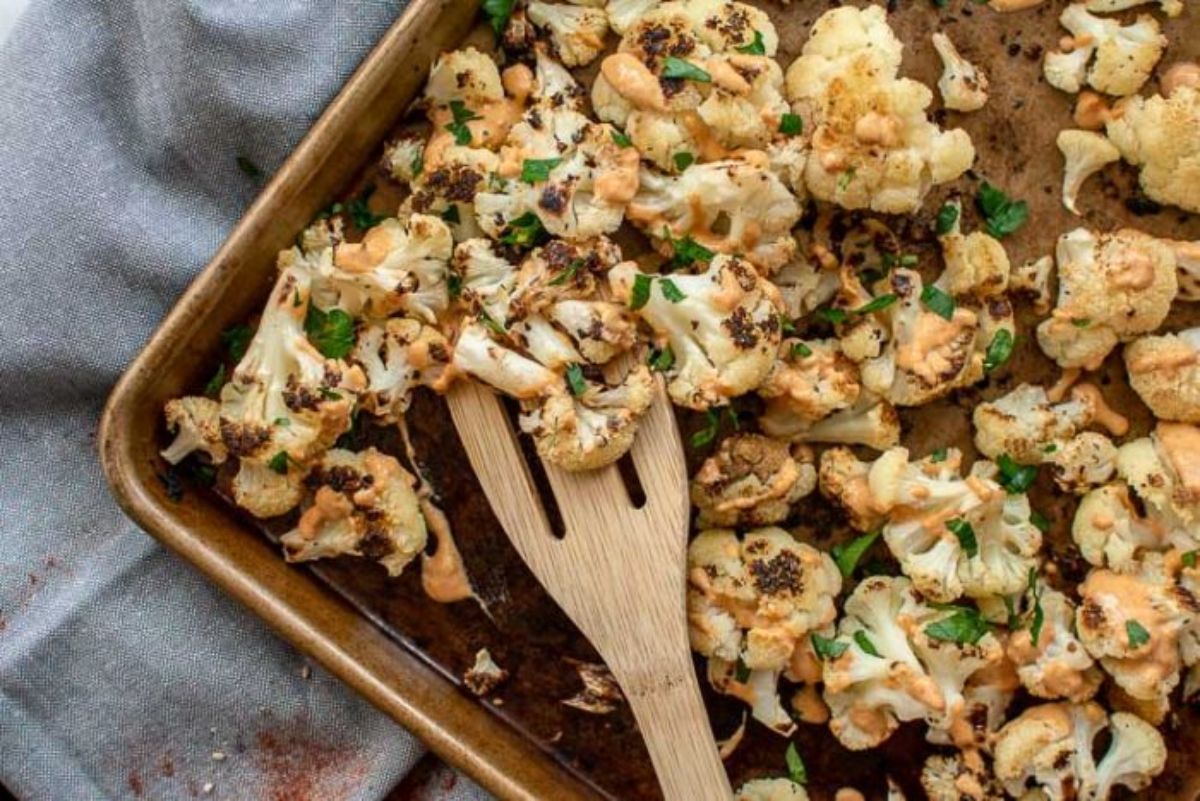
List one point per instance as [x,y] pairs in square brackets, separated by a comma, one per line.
[783,573]
[1013,49]
[741,328]
[1034,52]
[454,183]
[461,79]
[1140,205]
[534,117]
[375,544]
[671,86]
[243,439]
[745,275]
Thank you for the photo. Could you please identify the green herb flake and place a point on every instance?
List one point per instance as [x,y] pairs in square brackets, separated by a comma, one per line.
[848,554]
[791,125]
[249,168]
[1189,558]
[575,379]
[1038,619]
[741,671]
[1138,636]
[832,315]
[947,218]
[964,626]
[535,171]
[966,536]
[800,351]
[827,648]
[461,116]
[685,252]
[1039,521]
[795,765]
[417,166]
[213,388]
[523,232]
[683,160]
[204,474]
[279,463]
[329,394]
[999,350]
[671,290]
[785,324]
[864,642]
[844,179]
[674,67]
[1051,448]
[492,323]
[236,339]
[1081,323]
[498,13]
[282,422]
[878,304]
[621,139]
[568,274]
[451,215]
[454,286]
[707,434]
[938,302]
[360,212]
[171,484]
[661,361]
[939,455]
[1015,478]
[1002,215]
[755,48]
[639,296]
[331,332]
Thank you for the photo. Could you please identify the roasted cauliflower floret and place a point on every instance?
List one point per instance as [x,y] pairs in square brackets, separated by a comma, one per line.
[398,356]
[363,504]
[1085,153]
[285,400]
[1165,372]
[622,14]
[1025,425]
[1083,462]
[872,143]
[810,380]
[751,480]
[1125,55]
[477,354]
[1111,288]
[1162,470]
[1031,279]
[1161,135]
[871,422]
[1109,529]
[576,31]
[446,188]
[1054,664]
[404,158]
[961,777]
[468,75]
[1172,8]
[722,325]
[196,423]
[842,478]
[465,99]
[1049,748]
[904,661]
[771,790]
[731,207]
[976,263]
[964,86]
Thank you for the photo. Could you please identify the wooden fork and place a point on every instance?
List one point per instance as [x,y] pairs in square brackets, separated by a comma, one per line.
[619,573]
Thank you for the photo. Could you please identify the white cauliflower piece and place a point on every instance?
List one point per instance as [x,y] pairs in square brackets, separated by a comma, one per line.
[363,505]
[268,490]
[1187,267]
[871,422]
[1165,372]
[964,86]
[722,325]
[1172,8]
[1032,280]
[751,480]
[1083,462]
[1086,153]
[976,264]
[903,660]
[731,207]
[1162,470]
[622,14]
[771,790]
[1111,288]
[1161,135]
[477,354]
[404,158]
[196,423]
[1056,665]
[809,381]
[959,777]
[872,143]
[446,188]
[468,75]
[397,357]
[1125,55]
[842,478]
[576,31]
[1109,530]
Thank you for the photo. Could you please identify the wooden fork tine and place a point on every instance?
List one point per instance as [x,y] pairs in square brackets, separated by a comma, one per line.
[657,454]
[586,497]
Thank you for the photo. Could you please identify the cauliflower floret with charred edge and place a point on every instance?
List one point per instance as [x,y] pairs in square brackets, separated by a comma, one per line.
[447,188]
[1165,372]
[872,143]
[1048,749]
[751,480]
[577,32]
[963,776]
[404,158]
[470,102]
[896,666]
[622,14]
[1111,288]
[1085,153]
[1162,470]
[976,263]
[1031,279]
[771,790]
[1056,665]
[1125,55]
[731,207]
[1161,135]
[722,325]
[871,422]
[842,478]
[593,428]
[954,536]
[810,380]
[397,357]
[1084,462]
[1172,8]
[285,400]
[964,86]
[1109,530]
[363,504]
[196,423]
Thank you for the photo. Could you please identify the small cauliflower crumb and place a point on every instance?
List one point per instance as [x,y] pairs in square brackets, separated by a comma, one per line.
[964,86]
[484,675]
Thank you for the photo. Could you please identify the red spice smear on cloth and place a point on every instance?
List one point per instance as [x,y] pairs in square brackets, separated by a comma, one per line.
[295,768]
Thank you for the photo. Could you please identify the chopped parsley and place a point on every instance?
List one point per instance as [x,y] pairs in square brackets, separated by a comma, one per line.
[498,12]
[966,536]
[712,426]
[791,125]
[832,315]
[1039,521]
[674,67]
[938,302]
[864,642]
[1015,478]
[454,285]
[213,388]
[939,455]
[360,212]
[848,554]
[877,304]
[621,139]
[249,168]
[909,260]
[1138,636]
[964,625]
[671,290]
[947,218]
[523,232]
[826,647]
[236,338]
[575,379]
[329,394]
[461,116]
[1038,619]
[999,350]
[795,765]
[1002,215]
[417,166]
[755,48]
[171,484]
[331,332]
[1082,322]
[800,350]
[683,160]
[845,178]
[661,361]
[741,671]
[685,252]
[451,215]
[639,296]
[785,324]
[567,274]
[492,323]
[535,171]
[1189,558]
[1051,448]
[279,463]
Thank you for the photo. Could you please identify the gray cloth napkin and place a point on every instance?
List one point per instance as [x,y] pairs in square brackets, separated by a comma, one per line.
[123,674]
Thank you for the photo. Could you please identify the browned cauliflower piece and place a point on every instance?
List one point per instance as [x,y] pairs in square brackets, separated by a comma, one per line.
[751,480]
[1164,370]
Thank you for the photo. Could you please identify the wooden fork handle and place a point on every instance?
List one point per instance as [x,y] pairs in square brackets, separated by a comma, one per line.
[671,716]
